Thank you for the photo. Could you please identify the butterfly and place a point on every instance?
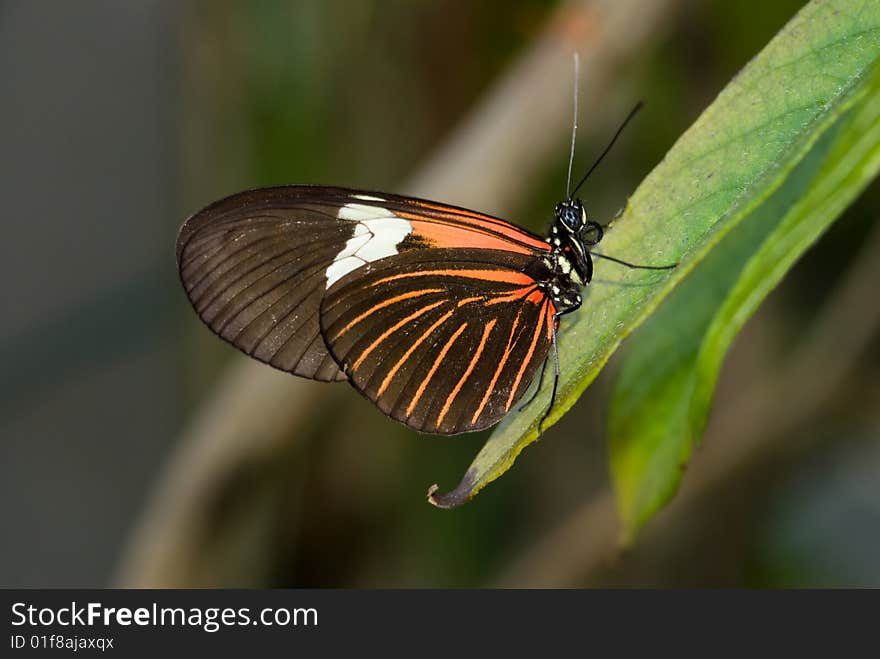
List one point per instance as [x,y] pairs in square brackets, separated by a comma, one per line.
[439,315]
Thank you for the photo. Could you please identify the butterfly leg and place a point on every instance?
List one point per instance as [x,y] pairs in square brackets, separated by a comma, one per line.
[537,389]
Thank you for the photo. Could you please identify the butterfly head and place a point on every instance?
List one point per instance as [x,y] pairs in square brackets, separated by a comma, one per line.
[573,228]
[571,216]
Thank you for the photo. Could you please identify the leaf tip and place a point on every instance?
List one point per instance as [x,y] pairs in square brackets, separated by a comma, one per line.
[463,493]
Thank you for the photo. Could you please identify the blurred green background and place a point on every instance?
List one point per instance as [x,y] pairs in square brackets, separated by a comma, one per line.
[120,119]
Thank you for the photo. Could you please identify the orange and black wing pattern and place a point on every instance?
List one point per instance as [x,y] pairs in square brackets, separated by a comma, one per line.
[445,343]
[425,308]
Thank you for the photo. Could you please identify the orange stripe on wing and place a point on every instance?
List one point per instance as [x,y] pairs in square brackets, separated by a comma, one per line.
[391,330]
[437,362]
[451,398]
[522,368]
[386,303]
[491,388]
[506,276]
[412,348]
[439,234]
[551,319]
[457,212]
[518,294]
[475,220]
[537,297]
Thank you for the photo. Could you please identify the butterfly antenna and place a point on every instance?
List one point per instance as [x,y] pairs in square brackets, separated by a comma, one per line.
[634,266]
[631,114]
[574,124]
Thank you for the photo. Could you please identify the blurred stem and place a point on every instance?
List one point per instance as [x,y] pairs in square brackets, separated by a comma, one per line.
[519,126]
[754,428]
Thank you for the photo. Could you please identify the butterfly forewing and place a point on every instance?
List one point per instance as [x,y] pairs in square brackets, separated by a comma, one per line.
[445,341]
[254,268]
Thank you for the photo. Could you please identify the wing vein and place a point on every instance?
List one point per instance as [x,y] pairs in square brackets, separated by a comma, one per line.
[539,327]
[424,384]
[479,352]
[391,330]
[390,376]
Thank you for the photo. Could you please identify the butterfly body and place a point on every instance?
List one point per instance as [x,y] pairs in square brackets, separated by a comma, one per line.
[439,315]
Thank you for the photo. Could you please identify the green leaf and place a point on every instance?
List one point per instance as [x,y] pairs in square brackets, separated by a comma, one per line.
[742,149]
[663,393]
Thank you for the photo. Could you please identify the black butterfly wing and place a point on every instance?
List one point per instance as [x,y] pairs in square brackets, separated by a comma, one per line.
[424,306]
[443,340]
[254,267]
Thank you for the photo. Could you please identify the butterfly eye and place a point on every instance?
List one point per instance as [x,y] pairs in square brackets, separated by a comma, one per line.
[570,216]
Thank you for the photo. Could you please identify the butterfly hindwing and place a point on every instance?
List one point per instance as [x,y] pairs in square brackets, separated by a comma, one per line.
[445,341]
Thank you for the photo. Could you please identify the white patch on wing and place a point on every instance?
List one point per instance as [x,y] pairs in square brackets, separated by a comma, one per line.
[377,235]
[358,212]
[367,197]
